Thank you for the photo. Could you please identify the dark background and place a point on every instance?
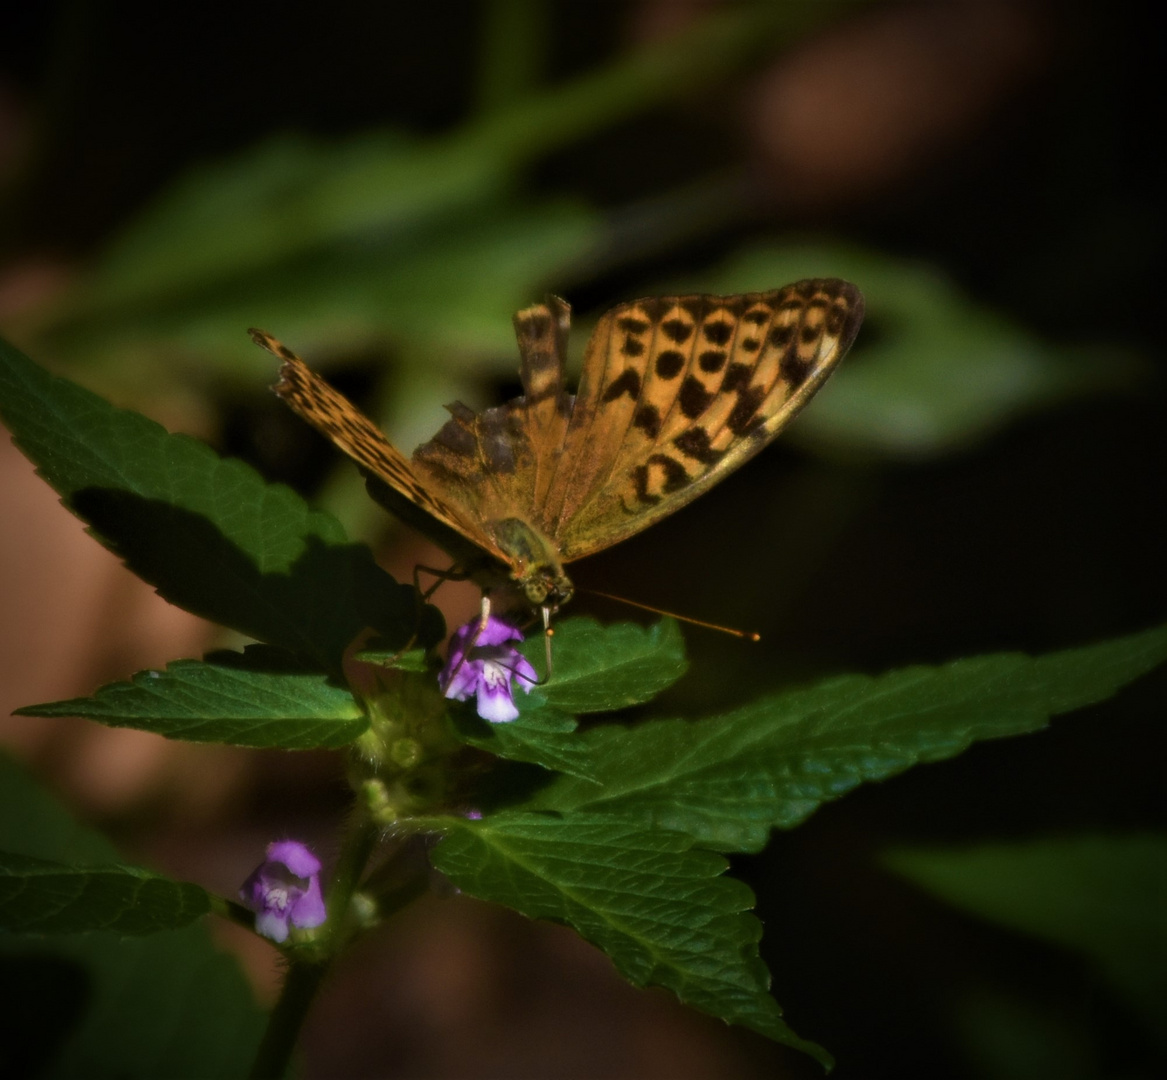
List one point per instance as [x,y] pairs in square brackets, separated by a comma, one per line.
[1013,146]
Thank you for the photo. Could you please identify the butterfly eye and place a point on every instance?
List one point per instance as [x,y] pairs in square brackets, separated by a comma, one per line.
[536,589]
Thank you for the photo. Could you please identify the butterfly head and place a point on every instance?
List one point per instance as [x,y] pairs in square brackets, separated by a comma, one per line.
[546,586]
[533,561]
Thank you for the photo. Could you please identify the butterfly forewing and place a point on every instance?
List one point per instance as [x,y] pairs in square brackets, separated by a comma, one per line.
[678,391]
[335,417]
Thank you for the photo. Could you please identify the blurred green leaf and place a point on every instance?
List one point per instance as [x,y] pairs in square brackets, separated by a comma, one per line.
[208,533]
[441,293]
[661,910]
[260,698]
[931,370]
[304,234]
[1008,1036]
[38,896]
[104,1006]
[727,780]
[1104,897]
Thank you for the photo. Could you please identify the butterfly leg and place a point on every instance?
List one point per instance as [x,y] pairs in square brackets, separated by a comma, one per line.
[483,618]
[452,574]
[441,576]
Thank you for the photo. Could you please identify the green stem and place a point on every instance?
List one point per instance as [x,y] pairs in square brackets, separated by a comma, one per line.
[354,857]
[283,1026]
[310,963]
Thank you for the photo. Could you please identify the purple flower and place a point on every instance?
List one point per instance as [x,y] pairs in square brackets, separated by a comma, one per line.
[285,888]
[482,664]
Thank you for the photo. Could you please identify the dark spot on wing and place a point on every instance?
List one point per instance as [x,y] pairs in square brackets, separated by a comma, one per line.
[717,333]
[696,306]
[655,307]
[748,402]
[711,360]
[647,418]
[628,383]
[737,377]
[795,370]
[640,480]
[676,330]
[693,397]
[694,443]
[631,346]
[675,475]
[669,364]
[780,336]
[632,325]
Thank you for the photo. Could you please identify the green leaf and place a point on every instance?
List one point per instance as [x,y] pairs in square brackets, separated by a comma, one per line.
[42,897]
[1101,896]
[260,698]
[104,1006]
[443,295]
[596,669]
[728,780]
[932,370]
[602,668]
[662,911]
[540,736]
[208,533]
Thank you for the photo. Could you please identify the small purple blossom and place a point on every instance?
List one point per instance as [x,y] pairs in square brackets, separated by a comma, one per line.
[482,664]
[284,889]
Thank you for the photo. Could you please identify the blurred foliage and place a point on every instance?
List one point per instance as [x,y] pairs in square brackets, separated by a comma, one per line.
[1042,228]
[1104,897]
[103,1004]
[934,371]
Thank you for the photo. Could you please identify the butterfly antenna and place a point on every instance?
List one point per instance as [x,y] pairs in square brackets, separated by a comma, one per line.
[748,635]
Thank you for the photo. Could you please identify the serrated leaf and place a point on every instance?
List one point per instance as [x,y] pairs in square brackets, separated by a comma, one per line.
[42,897]
[1102,896]
[728,780]
[661,910]
[540,736]
[596,669]
[103,1006]
[260,698]
[602,668]
[207,532]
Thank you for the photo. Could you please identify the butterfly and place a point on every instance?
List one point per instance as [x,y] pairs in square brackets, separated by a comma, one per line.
[675,393]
